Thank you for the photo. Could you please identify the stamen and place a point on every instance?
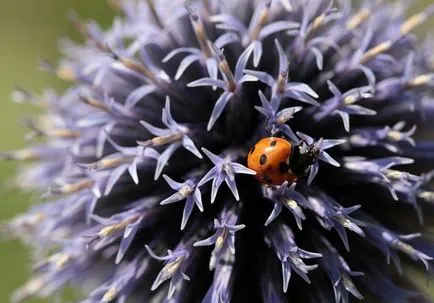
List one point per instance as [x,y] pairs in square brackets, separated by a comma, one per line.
[108,162]
[360,17]
[224,68]
[162,140]
[405,28]
[154,13]
[94,103]
[60,260]
[420,80]
[22,155]
[262,20]
[133,65]
[416,20]
[394,175]
[170,268]
[395,136]
[82,28]
[221,239]
[375,51]
[64,73]
[43,127]
[21,95]
[109,230]
[207,7]
[110,295]
[318,22]
[282,81]
[427,196]
[66,189]
[199,30]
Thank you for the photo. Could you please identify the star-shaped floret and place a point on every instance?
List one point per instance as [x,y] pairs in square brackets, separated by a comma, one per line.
[224,236]
[390,137]
[281,239]
[344,104]
[204,54]
[174,268]
[175,135]
[288,197]
[276,120]
[389,243]
[281,87]
[224,170]
[231,83]
[257,30]
[187,191]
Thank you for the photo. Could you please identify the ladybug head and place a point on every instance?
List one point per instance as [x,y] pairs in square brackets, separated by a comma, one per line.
[303,156]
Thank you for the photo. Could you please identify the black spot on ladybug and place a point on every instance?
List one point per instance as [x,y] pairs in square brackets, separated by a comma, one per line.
[263,159]
[267,179]
[283,168]
[252,149]
[273,143]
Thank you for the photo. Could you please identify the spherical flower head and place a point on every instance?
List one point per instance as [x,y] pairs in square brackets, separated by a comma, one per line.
[167,104]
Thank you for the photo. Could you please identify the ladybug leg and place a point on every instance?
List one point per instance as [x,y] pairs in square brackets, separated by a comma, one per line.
[271,129]
[267,127]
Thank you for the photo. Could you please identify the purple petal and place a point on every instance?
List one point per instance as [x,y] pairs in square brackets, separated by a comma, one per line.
[261,76]
[197,196]
[164,158]
[208,241]
[241,169]
[345,119]
[283,59]
[188,207]
[189,145]
[257,52]
[209,175]
[247,78]
[114,177]
[327,158]
[305,138]
[208,82]
[212,68]
[225,39]
[218,109]
[138,94]
[276,27]
[216,160]
[318,57]
[185,63]
[155,130]
[313,171]
[153,255]
[132,169]
[216,183]
[128,237]
[173,184]
[276,211]
[242,62]
[230,23]
[230,181]
[180,50]
[334,89]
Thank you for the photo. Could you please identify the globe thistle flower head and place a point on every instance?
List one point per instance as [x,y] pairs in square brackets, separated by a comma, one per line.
[172,100]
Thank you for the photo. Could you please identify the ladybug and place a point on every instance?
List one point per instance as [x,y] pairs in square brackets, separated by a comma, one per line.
[276,160]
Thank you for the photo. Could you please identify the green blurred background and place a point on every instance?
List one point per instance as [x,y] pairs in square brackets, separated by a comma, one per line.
[29,30]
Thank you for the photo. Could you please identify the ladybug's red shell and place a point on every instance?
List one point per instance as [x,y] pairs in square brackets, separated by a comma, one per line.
[269,158]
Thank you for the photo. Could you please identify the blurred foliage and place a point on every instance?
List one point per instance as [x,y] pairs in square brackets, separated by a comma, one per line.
[29,30]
